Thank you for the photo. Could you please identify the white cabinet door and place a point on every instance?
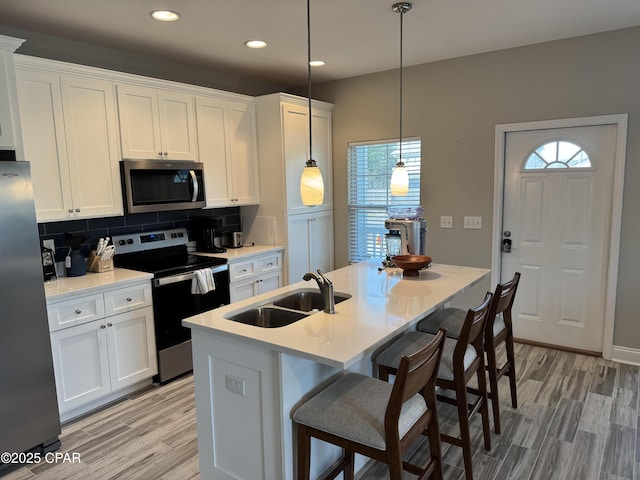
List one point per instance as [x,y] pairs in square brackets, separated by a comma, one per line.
[321,241]
[139,122]
[270,281]
[242,290]
[131,347]
[299,247]
[213,151]
[310,241]
[243,154]
[156,124]
[91,133]
[295,128]
[227,147]
[177,126]
[70,136]
[9,129]
[295,125]
[81,364]
[42,123]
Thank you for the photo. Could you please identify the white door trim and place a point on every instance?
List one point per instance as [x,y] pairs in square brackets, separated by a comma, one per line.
[620,120]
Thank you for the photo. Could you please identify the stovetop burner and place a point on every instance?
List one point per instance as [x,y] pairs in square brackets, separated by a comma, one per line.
[162,253]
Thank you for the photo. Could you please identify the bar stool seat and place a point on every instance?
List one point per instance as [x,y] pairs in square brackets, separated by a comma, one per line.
[354,407]
[365,415]
[414,341]
[498,329]
[462,359]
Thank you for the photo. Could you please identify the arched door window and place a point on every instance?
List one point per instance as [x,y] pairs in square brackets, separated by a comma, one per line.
[557,154]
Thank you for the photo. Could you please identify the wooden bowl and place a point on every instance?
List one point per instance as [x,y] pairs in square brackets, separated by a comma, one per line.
[411,264]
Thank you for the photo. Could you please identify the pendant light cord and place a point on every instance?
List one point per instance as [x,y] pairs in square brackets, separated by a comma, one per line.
[309,75]
[401,36]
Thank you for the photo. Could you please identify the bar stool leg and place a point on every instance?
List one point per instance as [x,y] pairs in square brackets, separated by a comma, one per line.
[492,369]
[512,370]
[304,453]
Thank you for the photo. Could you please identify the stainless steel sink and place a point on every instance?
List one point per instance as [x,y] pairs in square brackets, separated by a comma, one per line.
[267,317]
[307,300]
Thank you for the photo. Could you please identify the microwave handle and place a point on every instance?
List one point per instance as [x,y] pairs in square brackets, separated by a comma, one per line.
[196,187]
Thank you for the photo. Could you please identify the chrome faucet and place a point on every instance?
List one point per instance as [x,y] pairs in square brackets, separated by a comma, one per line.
[326,290]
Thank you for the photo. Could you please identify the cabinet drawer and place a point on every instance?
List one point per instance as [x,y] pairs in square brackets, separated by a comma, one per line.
[269,263]
[75,311]
[126,299]
[241,270]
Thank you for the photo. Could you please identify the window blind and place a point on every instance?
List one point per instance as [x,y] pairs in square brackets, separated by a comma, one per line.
[369,169]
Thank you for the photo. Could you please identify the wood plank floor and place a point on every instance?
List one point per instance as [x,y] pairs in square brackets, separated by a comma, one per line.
[577,419]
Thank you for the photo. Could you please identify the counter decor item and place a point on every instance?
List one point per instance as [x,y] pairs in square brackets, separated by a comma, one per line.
[101,259]
[75,261]
[411,264]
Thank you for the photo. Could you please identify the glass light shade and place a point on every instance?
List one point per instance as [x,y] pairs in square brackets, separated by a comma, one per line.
[311,186]
[399,180]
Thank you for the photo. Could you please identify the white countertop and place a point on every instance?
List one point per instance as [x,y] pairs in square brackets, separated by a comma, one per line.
[243,252]
[383,304]
[92,282]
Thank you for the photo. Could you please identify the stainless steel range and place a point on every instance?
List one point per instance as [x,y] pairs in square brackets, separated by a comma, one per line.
[175,276]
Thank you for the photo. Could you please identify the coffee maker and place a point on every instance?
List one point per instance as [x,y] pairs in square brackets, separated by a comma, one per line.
[207,240]
[407,224]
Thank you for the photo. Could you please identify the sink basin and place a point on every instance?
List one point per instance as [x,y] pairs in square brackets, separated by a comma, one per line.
[307,301]
[267,317]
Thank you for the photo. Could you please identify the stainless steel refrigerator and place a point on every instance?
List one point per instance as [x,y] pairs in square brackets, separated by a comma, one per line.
[29,417]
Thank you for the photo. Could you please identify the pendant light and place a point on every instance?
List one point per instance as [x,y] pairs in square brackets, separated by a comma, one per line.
[311,184]
[400,176]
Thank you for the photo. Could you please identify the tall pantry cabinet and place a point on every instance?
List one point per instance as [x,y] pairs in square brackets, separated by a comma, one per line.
[283,146]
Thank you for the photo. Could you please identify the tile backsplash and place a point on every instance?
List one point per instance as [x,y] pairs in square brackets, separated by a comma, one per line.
[141,222]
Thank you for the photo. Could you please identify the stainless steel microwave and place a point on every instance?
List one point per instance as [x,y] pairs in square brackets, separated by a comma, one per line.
[158,185]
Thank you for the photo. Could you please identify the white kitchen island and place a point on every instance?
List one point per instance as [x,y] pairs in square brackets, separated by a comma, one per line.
[249,379]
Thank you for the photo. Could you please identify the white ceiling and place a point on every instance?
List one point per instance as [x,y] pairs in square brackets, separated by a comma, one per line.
[354,37]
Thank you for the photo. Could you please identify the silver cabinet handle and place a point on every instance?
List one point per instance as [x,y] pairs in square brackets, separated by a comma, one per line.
[71,210]
[103,326]
[109,324]
[78,312]
[128,299]
[78,210]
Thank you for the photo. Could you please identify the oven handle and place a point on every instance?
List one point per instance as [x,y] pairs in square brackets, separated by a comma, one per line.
[196,187]
[159,282]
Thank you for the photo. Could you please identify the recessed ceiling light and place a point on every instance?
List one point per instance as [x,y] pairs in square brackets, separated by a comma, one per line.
[317,63]
[255,44]
[165,15]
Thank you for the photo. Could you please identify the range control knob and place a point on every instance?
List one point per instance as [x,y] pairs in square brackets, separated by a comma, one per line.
[129,241]
[121,242]
[174,235]
[180,234]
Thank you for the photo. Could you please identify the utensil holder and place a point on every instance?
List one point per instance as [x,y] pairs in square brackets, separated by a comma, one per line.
[96,264]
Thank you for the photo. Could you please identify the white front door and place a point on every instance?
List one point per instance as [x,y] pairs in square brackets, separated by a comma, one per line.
[556,225]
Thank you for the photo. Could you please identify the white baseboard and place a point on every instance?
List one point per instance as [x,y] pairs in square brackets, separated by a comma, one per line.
[625,355]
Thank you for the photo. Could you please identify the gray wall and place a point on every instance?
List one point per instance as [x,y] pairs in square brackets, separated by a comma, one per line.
[454,106]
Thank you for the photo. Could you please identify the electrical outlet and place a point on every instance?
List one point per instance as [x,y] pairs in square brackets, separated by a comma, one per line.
[473,223]
[51,244]
[235,384]
[446,221]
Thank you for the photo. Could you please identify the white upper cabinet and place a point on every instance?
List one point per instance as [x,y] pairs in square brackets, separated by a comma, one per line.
[295,134]
[227,147]
[69,131]
[156,124]
[9,128]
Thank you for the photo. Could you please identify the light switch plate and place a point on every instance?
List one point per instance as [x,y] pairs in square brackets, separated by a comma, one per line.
[446,221]
[473,223]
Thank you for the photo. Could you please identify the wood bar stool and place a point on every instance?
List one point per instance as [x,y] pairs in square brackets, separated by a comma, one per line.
[498,329]
[371,417]
[462,358]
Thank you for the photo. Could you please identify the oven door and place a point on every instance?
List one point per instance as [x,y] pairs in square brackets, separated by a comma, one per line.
[173,302]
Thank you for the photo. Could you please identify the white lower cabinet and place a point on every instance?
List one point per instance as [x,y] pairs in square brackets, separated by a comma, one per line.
[97,360]
[255,275]
[310,244]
